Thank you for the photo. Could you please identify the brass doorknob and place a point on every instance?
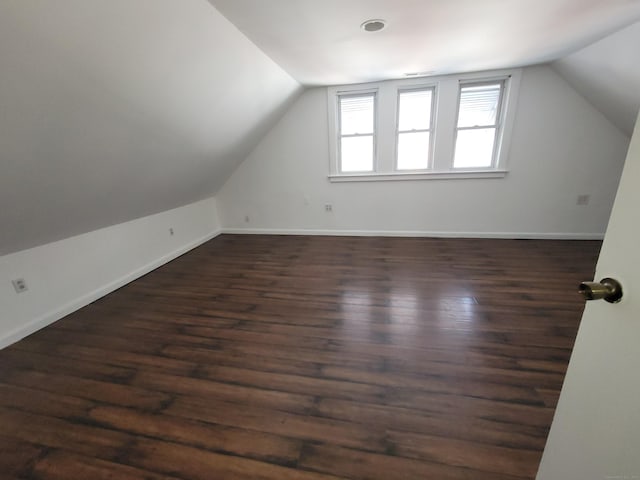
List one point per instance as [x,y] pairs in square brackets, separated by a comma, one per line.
[607,289]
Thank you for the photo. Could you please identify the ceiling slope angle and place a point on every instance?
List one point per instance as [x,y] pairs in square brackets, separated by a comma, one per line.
[607,73]
[112,110]
[322,43]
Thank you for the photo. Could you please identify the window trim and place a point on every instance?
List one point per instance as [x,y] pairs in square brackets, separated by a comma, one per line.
[419,175]
[373,134]
[335,167]
[400,91]
[443,126]
[497,125]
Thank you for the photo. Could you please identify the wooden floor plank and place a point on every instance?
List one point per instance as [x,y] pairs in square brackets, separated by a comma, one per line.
[17,457]
[446,425]
[236,441]
[359,465]
[300,426]
[464,453]
[65,465]
[269,357]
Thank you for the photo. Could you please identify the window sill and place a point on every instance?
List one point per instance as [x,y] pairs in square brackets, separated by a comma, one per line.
[442,175]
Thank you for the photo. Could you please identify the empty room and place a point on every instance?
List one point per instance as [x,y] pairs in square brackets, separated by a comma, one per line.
[292,239]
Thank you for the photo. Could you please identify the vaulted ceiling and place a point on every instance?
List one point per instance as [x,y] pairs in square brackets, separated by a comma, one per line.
[115,109]
[321,42]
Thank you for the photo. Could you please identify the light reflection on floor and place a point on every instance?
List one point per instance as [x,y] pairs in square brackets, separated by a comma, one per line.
[407,313]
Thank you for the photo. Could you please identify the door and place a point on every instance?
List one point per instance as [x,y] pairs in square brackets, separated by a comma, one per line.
[596,429]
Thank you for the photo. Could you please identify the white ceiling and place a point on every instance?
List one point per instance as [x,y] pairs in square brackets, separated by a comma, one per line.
[321,43]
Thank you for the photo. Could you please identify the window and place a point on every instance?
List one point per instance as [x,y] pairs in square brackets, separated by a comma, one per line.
[357,132]
[414,129]
[449,127]
[478,124]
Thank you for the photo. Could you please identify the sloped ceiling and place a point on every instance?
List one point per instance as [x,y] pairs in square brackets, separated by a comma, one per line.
[321,42]
[607,73]
[115,109]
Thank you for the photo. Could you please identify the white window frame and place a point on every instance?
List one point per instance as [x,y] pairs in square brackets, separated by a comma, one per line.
[335,131]
[497,125]
[340,136]
[400,91]
[444,117]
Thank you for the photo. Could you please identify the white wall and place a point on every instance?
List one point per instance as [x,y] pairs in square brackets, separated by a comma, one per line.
[69,274]
[561,147]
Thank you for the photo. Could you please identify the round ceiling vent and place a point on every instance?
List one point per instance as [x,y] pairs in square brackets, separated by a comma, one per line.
[373,25]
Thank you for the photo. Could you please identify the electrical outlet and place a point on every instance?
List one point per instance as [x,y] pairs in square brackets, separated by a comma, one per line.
[583,199]
[20,285]
[328,207]
[171,231]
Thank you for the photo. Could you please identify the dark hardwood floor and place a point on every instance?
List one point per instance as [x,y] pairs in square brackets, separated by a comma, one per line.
[269,357]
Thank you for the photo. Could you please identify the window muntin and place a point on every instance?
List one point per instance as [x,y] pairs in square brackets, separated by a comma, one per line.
[413,135]
[478,124]
[378,157]
[356,134]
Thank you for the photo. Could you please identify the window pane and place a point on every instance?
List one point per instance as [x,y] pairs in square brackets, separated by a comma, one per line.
[414,110]
[413,151]
[356,114]
[479,105]
[356,154]
[474,148]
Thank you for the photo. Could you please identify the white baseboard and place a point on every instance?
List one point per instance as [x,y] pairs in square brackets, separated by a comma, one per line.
[411,233]
[51,317]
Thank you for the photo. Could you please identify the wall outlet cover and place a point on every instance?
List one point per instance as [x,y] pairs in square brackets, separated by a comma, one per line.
[583,199]
[20,285]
